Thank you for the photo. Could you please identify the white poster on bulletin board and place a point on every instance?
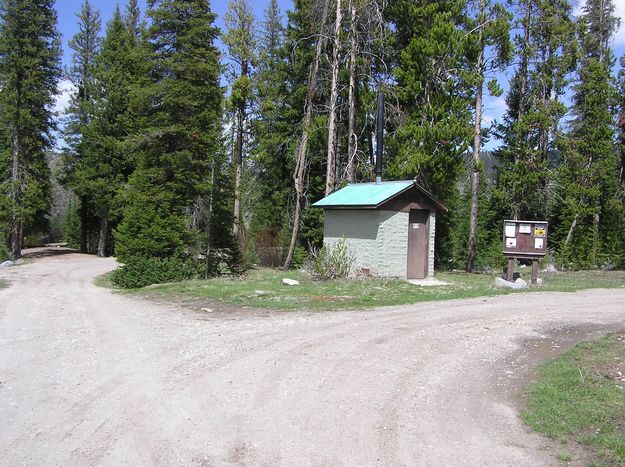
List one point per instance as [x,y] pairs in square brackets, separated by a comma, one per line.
[510,230]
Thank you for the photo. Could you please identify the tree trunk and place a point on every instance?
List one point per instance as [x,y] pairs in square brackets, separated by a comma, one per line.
[104,230]
[334,93]
[300,164]
[595,240]
[569,235]
[17,238]
[622,164]
[622,170]
[17,230]
[543,130]
[83,224]
[238,155]
[523,74]
[477,146]
[209,223]
[370,131]
[352,141]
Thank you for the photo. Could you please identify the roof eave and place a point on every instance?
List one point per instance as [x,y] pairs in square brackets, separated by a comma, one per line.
[432,198]
[347,206]
[414,184]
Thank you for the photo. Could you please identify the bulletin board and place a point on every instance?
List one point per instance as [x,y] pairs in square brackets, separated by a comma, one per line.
[525,238]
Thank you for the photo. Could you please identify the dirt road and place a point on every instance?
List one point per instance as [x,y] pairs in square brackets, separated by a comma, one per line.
[88,377]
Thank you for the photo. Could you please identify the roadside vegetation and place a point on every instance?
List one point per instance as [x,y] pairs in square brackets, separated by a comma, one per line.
[193,146]
[580,399]
[3,284]
[263,288]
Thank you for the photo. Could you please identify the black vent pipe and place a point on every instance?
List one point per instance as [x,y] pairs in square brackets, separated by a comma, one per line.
[379,139]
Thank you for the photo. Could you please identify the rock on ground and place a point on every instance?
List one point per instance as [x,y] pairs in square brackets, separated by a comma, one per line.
[501,283]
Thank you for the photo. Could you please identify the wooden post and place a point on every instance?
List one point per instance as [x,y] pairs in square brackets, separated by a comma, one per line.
[510,277]
[534,271]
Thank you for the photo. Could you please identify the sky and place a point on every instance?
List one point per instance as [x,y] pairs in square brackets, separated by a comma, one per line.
[68,26]
[494,107]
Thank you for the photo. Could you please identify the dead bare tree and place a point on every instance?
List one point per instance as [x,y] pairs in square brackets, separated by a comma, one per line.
[302,148]
[352,139]
[334,93]
[367,38]
[477,144]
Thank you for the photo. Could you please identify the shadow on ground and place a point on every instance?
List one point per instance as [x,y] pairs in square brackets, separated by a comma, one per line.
[46,252]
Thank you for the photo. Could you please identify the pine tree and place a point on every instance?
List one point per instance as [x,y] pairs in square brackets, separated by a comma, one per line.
[588,177]
[138,69]
[431,136]
[310,93]
[272,132]
[352,137]
[86,45]
[370,42]
[492,35]
[333,124]
[241,42]
[531,130]
[621,125]
[181,135]
[29,72]
[133,24]
[108,163]
[429,43]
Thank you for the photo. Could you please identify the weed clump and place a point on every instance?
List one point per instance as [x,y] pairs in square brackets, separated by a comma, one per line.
[332,261]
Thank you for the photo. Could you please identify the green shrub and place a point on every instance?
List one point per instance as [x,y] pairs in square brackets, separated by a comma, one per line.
[141,271]
[4,251]
[332,261]
[249,255]
[300,255]
[224,261]
[71,226]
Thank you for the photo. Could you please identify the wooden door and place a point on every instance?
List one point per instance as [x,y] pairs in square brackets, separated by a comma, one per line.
[418,244]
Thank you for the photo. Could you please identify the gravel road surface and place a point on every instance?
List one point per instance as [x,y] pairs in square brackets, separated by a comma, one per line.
[90,377]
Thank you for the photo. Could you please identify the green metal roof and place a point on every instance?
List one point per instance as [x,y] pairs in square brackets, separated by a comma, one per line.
[365,194]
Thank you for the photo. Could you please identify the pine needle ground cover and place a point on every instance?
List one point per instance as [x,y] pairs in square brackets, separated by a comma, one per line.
[580,399]
[263,288]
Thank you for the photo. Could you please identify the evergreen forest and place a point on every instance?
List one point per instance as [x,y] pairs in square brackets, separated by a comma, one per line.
[191,150]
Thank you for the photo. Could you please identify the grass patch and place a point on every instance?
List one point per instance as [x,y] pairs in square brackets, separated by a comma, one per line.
[3,284]
[580,398]
[105,281]
[263,288]
[564,457]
